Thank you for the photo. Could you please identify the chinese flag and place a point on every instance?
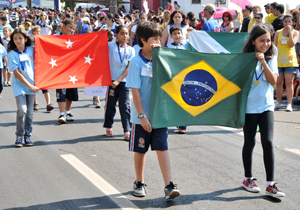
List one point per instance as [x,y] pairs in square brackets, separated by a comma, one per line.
[72,61]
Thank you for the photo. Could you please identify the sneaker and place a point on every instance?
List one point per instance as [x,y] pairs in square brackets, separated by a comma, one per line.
[250,185]
[289,108]
[35,107]
[274,192]
[277,105]
[139,189]
[98,105]
[181,131]
[70,117]
[61,119]
[94,101]
[49,107]
[8,83]
[5,84]
[27,141]
[171,191]
[18,142]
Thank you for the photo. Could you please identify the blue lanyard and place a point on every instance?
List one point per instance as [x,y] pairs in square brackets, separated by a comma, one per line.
[257,78]
[23,69]
[121,59]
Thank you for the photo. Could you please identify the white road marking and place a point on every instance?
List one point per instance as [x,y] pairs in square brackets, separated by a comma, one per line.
[122,201]
[233,130]
[297,151]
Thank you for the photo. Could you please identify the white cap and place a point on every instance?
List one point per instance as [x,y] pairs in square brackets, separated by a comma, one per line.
[86,19]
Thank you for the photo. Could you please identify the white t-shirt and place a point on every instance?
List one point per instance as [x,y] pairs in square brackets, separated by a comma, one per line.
[183,38]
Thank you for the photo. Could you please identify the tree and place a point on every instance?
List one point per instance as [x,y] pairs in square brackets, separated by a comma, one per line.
[68,3]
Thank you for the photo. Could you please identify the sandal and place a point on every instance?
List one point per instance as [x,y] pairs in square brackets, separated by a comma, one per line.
[181,131]
[109,132]
[126,136]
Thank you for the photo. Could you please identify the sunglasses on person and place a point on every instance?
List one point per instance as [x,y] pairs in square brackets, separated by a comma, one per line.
[257,17]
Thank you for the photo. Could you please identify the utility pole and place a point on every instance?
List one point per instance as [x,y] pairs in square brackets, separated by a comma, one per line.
[113,8]
[218,3]
[29,3]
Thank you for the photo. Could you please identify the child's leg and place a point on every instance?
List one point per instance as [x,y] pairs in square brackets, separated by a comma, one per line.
[165,165]
[266,124]
[61,106]
[68,105]
[124,106]
[47,97]
[249,142]
[279,88]
[29,115]
[21,113]
[139,164]
[110,107]
[8,76]
[35,99]
[4,76]
[1,82]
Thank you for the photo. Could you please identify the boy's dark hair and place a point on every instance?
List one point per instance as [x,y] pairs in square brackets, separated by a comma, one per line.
[156,19]
[129,17]
[68,21]
[118,29]
[175,28]
[260,14]
[147,30]
[160,8]
[280,8]
[248,7]
[11,44]
[170,1]
[152,11]
[256,32]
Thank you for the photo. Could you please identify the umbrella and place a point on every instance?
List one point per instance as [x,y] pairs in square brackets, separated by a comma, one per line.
[242,3]
[219,12]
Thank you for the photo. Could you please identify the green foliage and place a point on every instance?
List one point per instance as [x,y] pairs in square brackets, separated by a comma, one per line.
[68,3]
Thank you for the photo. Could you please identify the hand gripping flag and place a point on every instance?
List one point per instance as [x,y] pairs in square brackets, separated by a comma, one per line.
[72,61]
[191,88]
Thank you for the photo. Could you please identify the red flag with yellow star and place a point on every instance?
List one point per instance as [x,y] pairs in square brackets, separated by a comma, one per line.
[72,61]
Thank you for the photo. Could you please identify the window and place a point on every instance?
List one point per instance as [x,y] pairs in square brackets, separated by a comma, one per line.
[196,1]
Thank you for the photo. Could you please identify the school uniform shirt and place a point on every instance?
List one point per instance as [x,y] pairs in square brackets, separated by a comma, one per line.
[5,42]
[14,62]
[13,16]
[116,69]
[86,27]
[184,33]
[135,41]
[137,49]
[113,28]
[260,98]
[44,29]
[182,46]
[28,31]
[1,29]
[2,54]
[140,77]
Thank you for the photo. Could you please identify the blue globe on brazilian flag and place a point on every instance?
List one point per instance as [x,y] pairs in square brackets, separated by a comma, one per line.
[192,88]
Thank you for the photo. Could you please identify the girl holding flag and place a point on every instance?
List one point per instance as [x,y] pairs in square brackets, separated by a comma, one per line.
[120,54]
[20,62]
[260,109]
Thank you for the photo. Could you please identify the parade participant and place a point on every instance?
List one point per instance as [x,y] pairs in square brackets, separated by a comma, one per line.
[20,62]
[278,22]
[44,23]
[160,13]
[258,18]
[252,22]
[211,24]
[140,81]
[3,57]
[120,55]
[237,21]
[110,24]
[286,39]
[227,25]
[170,6]
[176,5]
[86,25]
[167,15]
[176,34]
[5,24]
[65,97]
[271,16]
[260,109]
[27,27]
[133,40]
[177,18]
[6,73]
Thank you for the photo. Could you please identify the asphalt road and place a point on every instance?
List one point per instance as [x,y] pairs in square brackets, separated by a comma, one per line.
[74,166]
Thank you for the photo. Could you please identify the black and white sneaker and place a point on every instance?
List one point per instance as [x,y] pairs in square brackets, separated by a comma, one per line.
[69,117]
[27,142]
[139,189]
[171,191]
[61,119]
[19,141]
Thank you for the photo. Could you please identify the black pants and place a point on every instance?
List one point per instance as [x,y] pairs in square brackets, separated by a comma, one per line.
[1,82]
[265,121]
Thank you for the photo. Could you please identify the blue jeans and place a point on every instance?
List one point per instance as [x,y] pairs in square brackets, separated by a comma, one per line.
[24,114]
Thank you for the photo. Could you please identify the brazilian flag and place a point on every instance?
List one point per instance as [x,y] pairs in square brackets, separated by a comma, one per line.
[192,88]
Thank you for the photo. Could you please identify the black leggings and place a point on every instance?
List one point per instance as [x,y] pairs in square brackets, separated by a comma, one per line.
[1,82]
[265,121]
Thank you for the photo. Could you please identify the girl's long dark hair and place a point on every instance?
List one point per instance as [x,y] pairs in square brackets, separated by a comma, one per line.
[11,44]
[183,22]
[256,32]
[1,41]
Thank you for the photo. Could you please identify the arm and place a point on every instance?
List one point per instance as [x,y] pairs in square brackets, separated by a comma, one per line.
[294,35]
[276,38]
[139,108]
[117,82]
[24,81]
[5,59]
[298,22]
[164,37]
[131,38]
[230,27]
[271,77]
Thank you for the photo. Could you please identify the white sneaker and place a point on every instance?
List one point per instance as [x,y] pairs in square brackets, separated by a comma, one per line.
[69,117]
[8,83]
[61,119]
[277,105]
[289,108]
[98,105]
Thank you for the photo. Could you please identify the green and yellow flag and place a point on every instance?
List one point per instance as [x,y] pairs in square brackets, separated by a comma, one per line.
[191,88]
